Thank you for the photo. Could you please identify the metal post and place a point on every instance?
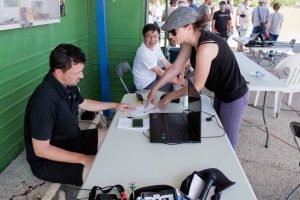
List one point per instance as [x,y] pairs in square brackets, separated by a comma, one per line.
[103,58]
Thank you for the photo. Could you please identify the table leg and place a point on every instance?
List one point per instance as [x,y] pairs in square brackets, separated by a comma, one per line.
[277,103]
[264,119]
[254,56]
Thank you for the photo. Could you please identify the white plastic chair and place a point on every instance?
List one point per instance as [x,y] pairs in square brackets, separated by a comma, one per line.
[121,70]
[295,128]
[291,66]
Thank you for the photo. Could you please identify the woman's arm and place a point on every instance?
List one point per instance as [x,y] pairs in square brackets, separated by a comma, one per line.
[176,68]
[205,54]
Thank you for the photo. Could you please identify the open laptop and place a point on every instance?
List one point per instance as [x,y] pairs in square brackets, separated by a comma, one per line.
[184,127]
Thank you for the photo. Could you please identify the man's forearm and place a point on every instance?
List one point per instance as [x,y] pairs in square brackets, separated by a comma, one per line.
[54,153]
[95,106]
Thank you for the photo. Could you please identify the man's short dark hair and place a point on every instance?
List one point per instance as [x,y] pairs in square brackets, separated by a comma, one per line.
[151,27]
[223,2]
[64,55]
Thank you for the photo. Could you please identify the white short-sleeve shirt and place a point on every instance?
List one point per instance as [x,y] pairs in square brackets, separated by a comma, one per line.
[276,20]
[245,11]
[146,59]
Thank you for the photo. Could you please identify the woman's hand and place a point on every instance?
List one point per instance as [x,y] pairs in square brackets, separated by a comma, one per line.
[151,97]
[162,104]
[179,80]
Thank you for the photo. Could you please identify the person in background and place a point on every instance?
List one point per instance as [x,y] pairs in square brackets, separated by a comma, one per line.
[182,3]
[171,8]
[206,12]
[56,149]
[229,7]
[242,20]
[191,4]
[150,63]
[260,17]
[221,23]
[215,68]
[275,22]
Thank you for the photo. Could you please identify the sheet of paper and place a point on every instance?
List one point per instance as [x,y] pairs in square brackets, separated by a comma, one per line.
[126,123]
[141,110]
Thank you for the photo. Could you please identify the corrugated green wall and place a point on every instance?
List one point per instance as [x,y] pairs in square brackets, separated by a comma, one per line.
[24,62]
[125,20]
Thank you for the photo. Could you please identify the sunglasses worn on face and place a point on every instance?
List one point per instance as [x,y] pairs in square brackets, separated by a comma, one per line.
[173,31]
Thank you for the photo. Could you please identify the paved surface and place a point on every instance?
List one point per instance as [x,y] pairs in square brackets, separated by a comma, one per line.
[273,172]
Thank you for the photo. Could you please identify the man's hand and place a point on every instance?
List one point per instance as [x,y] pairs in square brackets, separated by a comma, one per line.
[88,160]
[124,107]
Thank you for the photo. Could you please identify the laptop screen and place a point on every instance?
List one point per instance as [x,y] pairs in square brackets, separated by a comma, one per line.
[194,107]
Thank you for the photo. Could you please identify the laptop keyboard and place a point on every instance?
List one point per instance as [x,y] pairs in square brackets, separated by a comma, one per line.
[176,126]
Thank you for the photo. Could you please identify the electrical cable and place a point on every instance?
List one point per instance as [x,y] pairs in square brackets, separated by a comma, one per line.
[211,117]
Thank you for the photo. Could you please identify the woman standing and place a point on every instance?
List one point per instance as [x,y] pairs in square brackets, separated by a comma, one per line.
[215,68]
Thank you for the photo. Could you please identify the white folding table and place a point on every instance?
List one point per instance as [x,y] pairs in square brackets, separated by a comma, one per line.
[127,156]
[279,49]
[267,83]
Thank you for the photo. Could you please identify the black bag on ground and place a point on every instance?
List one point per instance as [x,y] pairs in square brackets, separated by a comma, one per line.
[258,40]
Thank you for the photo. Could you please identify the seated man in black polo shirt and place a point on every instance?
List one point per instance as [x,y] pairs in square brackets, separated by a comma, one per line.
[56,149]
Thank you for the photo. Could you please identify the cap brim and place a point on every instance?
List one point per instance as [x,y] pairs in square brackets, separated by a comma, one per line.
[167,26]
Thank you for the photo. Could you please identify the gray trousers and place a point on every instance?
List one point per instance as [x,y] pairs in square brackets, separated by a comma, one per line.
[231,115]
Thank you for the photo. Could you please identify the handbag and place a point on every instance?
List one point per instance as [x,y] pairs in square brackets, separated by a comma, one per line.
[258,41]
[107,193]
[153,192]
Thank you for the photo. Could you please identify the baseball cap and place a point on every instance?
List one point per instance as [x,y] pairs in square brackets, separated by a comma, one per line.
[222,3]
[180,17]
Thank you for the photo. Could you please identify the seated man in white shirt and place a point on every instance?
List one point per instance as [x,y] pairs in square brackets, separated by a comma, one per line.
[150,63]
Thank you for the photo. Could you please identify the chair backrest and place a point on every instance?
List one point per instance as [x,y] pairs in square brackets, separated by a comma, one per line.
[121,70]
[292,65]
[295,127]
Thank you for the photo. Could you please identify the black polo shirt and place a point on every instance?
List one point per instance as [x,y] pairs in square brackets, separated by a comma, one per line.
[51,113]
[222,19]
